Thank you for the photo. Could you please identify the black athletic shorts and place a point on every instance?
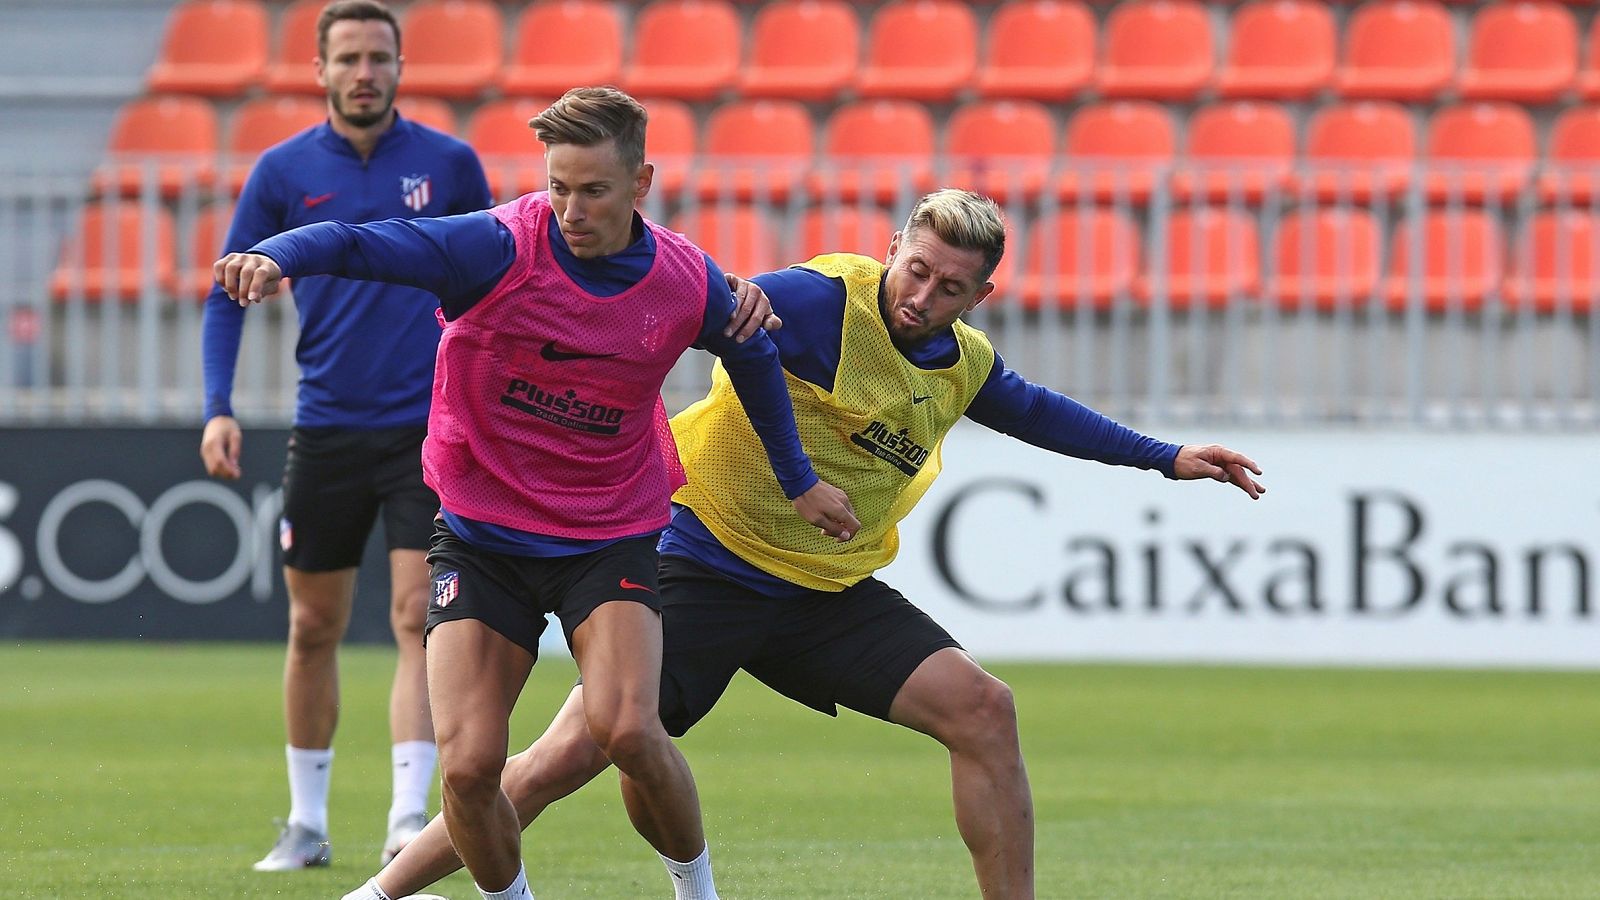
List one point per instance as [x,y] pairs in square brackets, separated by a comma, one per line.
[336,480]
[512,594]
[855,648]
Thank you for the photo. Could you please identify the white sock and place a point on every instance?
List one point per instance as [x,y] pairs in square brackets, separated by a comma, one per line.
[517,891]
[309,771]
[692,879]
[413,777]
[368,891]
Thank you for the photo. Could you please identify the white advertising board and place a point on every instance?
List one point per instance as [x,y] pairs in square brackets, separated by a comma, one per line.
[1370,548]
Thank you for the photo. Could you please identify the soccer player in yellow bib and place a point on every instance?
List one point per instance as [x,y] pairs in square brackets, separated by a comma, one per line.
[879,367]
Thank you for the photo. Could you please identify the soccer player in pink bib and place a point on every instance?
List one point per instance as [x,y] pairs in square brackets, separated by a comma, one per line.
[549,448]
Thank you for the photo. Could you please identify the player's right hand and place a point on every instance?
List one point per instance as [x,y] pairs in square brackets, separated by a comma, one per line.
[828,508]
[219,448]
[247,277]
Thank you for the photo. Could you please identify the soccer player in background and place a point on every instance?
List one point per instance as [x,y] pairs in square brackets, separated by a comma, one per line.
[550,450]
[366,371]
[879,367]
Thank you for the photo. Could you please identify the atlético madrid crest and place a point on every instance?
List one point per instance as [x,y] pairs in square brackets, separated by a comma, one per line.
[416,191]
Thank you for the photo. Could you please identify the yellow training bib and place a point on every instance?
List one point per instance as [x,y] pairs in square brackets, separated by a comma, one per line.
[876,436]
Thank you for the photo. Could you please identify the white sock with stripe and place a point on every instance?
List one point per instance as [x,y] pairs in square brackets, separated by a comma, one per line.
[692,880]
[309,773]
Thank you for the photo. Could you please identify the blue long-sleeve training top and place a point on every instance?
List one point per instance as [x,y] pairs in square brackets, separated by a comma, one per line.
[365,349]
[812,307]
[460,259]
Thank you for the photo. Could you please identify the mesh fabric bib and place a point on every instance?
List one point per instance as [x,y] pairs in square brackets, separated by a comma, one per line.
[547,412]
[876,436]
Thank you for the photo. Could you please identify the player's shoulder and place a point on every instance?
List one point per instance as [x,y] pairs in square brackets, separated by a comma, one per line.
[439,141]
[293,150]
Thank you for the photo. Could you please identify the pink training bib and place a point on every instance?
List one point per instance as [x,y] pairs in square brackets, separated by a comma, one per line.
[547,413]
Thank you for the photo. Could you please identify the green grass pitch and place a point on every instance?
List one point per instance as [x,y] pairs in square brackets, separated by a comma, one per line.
[155,771]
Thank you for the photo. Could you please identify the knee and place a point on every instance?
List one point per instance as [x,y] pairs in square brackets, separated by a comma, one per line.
[471,775]
[408,613]
[312,629]
[986,718]
[627,740]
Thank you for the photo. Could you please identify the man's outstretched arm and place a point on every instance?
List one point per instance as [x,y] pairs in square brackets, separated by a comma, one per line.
[1037,415]
[458,259]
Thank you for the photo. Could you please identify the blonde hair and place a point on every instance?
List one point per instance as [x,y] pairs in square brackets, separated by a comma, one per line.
[965,220]
[587,116]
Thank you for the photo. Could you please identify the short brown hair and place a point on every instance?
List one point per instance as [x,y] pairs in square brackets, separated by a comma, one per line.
[355,10]
[587,116]
[965,220]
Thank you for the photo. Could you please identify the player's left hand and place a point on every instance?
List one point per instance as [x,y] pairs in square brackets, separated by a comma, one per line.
[751,310]
[828,508]
[1218,463]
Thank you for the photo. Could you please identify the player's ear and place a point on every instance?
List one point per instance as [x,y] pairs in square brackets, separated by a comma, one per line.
[645,177]
[983,293]
[321,65]
[894,247]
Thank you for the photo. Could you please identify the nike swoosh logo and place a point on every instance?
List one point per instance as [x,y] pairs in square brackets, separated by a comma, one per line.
[627,585]
[549,351]
[311,201]
[916,399]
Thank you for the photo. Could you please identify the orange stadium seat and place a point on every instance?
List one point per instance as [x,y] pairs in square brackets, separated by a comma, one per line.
[562,44]
[175,138]
[1572,163]
[1589,78]
[1242,148]
[672,142]
[688,49]
[1090,252]
[844,229]
[1554,264]
[513,158]
[1002,148]
[106,259]
[1480,151]
[1524,51]
[291,70]
[452,47]
[262,122]
[881,148]
[1397,49]
[1359,151]
[1213,255]
[429,111]
[1118,149]
[920,50]
[1462,253]
[802,50]
[1038,50]
[212,47]
[1279,49]
[1326,257]
[756,149]
[1160,49]
[740,238]
[207,235]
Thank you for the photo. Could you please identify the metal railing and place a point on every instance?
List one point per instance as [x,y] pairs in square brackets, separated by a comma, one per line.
[1220,296]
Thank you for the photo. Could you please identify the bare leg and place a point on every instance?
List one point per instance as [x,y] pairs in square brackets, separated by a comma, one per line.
[618,650]
[319,612]
[474,677]
[562,760]
[409,717]
[971,713]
